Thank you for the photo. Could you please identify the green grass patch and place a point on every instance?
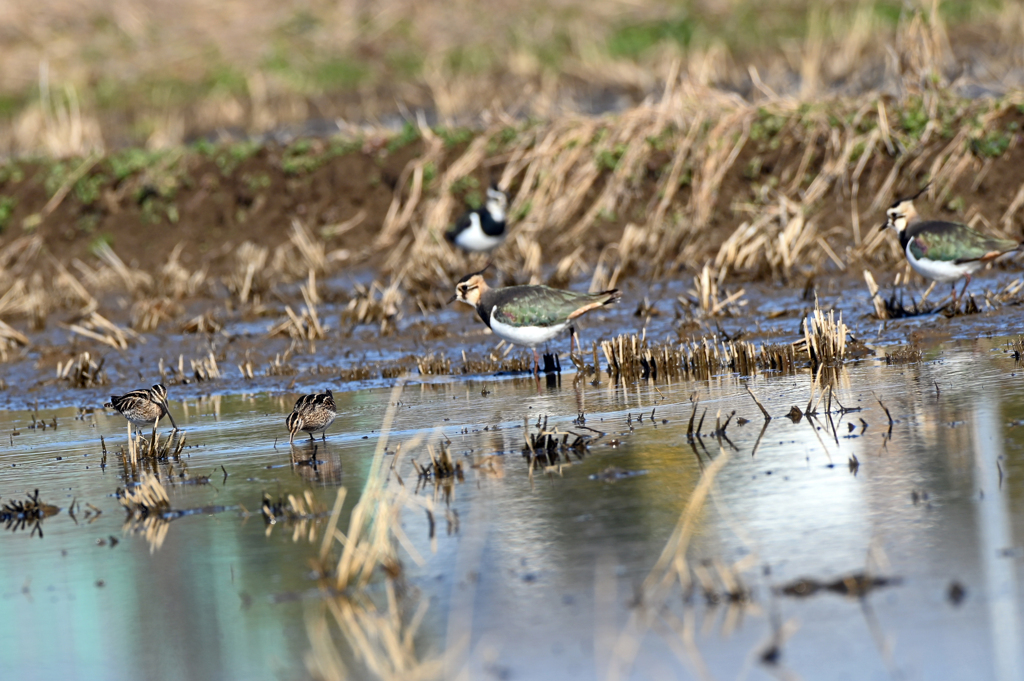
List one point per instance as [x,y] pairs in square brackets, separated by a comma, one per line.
[339,73]
[409,134]
[7,206]
[125,163]
[11,172]
[608,159]
[453,137]
[88,188]
[633,40]
[992,144]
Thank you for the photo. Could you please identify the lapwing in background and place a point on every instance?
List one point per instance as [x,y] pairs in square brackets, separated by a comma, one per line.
[527,315]
[482,229]
[943,251]
[313,413]
[143,407]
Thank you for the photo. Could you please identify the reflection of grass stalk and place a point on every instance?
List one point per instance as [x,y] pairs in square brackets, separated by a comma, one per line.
[364,550]
[382,639]
[670,568]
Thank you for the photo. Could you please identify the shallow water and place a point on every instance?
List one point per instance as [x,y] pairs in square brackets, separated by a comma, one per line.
[543,572]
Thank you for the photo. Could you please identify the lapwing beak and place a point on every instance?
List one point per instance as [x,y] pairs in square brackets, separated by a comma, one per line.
[452,299]
[168,412]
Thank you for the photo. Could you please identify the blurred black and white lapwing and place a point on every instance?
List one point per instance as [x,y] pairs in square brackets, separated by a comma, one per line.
[482,229]
[143,407]
[943,251]
[527,315]
[313,413]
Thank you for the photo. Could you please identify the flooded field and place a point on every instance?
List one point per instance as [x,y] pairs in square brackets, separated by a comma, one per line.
[662,540]
[779,455]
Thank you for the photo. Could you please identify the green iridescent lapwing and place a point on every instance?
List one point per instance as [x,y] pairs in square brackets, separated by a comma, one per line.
[528,315]
[313,413]
[482,229]
[943,251]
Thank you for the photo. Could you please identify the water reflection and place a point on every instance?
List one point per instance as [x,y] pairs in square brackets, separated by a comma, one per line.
[994,530]
[536,562]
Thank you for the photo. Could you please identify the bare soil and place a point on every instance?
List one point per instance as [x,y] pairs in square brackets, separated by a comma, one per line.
[219,204]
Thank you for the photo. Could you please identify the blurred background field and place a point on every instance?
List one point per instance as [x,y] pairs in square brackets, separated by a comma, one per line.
[157,73]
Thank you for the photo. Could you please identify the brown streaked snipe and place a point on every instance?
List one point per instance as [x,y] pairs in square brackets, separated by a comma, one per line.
[143,407]
[313,413]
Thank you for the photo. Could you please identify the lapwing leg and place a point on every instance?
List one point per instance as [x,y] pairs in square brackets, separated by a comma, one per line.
[967,282]
[536,363]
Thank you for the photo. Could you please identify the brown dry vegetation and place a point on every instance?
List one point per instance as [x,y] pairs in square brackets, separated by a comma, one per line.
[783,190]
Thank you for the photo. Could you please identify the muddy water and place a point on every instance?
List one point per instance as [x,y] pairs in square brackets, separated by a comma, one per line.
[542,573]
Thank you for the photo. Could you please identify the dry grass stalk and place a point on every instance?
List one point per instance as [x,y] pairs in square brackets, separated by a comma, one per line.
[300,327]
[825,338]
[135,281]
[304,514]
[382,642]
[82,371]
[27,297]
[204,323]
[205,369]
[148,508]
[631,358]
[176,281]
[147,498]
[312,249]
[101,329]
[375,304]
[705,294]
[201,370]
[778,357]
[495,361]
[10,338]
[671,571]
[149,313]
[880,308]
[281,366]
[248,279]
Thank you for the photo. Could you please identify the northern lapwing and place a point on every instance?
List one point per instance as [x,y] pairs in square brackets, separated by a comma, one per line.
[527,315]
[313,413]
[943,251]
[143,407]
[482,229]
